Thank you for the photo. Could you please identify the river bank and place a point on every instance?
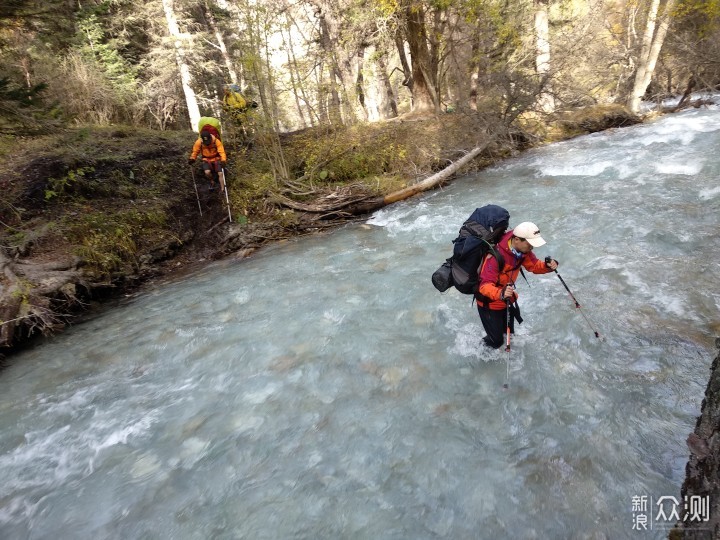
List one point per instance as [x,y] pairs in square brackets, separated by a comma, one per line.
[91,214]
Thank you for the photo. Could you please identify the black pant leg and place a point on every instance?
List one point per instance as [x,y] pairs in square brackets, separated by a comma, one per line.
[494,323]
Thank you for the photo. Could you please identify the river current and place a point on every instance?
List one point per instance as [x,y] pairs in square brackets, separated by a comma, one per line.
[322,388]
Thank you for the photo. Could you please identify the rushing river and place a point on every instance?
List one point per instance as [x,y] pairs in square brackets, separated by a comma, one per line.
[324,389]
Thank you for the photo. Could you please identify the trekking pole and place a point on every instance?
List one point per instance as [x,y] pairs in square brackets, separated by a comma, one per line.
[223,183]
[548,260]
[196,191]
[507,344]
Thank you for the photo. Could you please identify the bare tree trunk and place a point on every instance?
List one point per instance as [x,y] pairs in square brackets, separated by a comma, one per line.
[354,109]
[296,88]
[434,38]
[221,43]
[293,67]
[658,42]
[322,93]
[651,46]
[406,69]
[341,60]
[360,80]
[234,7]
[185,77]
[546,103]
[389,103]
[334,111]
[423,92]
[688,90]
[269,89]
[457,89]
[474,68]
[343,109]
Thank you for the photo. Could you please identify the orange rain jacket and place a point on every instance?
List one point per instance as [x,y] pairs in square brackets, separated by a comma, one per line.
[492,281]
[215,151]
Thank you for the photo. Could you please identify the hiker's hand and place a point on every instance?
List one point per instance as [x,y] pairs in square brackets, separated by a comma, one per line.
[191,161]
[507,293]
[223,164]
[551,263]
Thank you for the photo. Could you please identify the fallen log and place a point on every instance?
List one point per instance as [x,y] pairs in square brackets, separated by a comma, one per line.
[429,183]
[436,179]
[354,205]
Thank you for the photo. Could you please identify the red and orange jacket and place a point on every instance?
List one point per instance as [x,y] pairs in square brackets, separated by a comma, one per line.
[492,281]
[215,151]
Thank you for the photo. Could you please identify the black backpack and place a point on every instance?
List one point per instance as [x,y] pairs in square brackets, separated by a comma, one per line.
[477,237]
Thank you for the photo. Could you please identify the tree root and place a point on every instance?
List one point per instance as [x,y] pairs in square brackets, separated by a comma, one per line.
[30,294]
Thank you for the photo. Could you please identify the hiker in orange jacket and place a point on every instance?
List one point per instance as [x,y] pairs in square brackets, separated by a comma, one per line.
[498,286]
[213,155]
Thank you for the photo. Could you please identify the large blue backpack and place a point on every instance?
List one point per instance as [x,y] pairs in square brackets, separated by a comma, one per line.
[477,237]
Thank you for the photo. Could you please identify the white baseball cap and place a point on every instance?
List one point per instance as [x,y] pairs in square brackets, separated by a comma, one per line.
[530,232]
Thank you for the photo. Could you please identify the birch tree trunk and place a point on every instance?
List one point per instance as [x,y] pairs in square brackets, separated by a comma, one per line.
[546,103]
[651,47]
[634,98]
[657,43]
[221,43]
[183,67]
[292,70]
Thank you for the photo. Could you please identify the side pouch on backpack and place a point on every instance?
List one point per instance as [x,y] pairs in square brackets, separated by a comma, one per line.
[462,279]
[442,277]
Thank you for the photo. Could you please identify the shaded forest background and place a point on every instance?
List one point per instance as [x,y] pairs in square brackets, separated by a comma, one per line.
[162,64]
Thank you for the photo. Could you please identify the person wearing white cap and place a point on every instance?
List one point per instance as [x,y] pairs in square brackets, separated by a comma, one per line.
[497,280]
